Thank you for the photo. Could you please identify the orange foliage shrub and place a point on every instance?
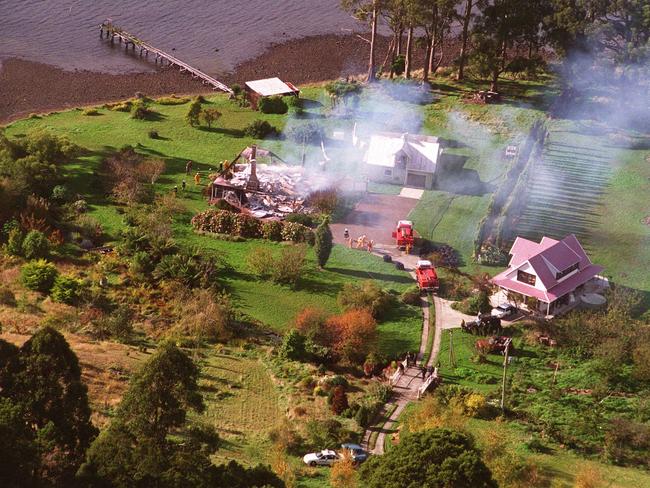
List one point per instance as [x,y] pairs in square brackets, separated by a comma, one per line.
[310,322]
[353,334]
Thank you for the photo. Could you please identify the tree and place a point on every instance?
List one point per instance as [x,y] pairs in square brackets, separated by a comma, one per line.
[136,447]
[18,451]
[45,382]
[194,113]
[437,458]
[501,26]
[467,17]
[339,401]
[210,115]
[323,244]
[353,334]
[344,473]
[436,17]
[150,170]
[366,11]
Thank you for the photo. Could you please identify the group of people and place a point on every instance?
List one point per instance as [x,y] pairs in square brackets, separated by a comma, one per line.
[361,242]
[410,360]
[188,170]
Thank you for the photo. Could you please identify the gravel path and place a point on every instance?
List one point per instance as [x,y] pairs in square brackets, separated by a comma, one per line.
[406,389]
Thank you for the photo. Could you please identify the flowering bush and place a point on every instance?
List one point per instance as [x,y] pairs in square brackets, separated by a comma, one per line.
[224,222]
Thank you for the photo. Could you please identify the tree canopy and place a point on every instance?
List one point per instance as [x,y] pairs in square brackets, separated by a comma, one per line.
[437,458]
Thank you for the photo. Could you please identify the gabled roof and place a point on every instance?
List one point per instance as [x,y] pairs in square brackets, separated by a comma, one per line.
[422,151]
[547,258]
[271,86]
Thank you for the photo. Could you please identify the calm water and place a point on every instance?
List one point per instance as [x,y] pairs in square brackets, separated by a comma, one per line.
[213,35]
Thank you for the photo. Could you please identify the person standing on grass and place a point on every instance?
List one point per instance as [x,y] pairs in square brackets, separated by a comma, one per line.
[197,178]
[183,185]
[188,167]
[176,190]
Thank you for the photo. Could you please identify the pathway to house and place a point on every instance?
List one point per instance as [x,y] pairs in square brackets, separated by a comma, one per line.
[406,388]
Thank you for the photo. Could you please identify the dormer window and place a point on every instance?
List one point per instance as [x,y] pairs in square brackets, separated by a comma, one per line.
[527,278]
[569,270]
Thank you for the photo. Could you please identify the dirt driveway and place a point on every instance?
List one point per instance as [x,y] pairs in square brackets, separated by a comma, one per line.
[375,216]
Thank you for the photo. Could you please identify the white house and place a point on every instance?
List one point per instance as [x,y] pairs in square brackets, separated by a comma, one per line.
[403,159]
[548,276]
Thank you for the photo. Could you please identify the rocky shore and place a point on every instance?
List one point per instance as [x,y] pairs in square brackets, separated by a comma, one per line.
[28,87]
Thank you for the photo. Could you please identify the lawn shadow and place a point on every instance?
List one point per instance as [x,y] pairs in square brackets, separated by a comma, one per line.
[238,133]
[405,279]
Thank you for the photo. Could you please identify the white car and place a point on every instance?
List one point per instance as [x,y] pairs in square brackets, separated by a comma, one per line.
[326,457]
[504,310]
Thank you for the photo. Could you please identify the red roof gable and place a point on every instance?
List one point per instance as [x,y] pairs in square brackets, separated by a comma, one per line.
[543,257]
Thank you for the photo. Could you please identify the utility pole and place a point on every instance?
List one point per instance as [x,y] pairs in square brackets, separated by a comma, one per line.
[503,383]
[452,357]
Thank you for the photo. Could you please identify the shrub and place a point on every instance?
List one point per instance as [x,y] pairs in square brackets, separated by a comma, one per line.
[61,194]
[272,230]
[210,116]
[306,133]
[14,245]
[91,112]
[118,324]
[366,296]
[194,113]
[66,289]
[247,226]
[272,105]
[301,218]
[311,323]
[325,200]
[297,233]
[139,110]
[289,267]
[293,346]
[38,275]
[260,262]
[411,296]
[36,245]
[322,434]
[236,89]
[7,297]
[353,335]
[172,100]
[398,65]
[120,106]
[141,265]
[339,401]
[259,129]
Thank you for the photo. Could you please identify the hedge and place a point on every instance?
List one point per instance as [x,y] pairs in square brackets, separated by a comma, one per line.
[243,225]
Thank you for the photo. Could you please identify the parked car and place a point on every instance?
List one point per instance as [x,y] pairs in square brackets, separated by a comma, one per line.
[356,451]
[504,310]
[326,457]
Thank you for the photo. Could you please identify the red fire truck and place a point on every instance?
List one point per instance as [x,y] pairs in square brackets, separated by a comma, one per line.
[426,275]
[403,234]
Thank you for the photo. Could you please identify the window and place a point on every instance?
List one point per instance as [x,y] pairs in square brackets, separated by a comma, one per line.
[526,277]
[567,271]
[388,172]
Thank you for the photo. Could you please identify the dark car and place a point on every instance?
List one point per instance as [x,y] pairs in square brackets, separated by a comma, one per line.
[357,452]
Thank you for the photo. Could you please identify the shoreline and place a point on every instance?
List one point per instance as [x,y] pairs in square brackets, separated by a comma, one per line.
[31,87]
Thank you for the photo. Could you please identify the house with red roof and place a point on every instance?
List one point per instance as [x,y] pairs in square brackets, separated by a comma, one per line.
[548,276]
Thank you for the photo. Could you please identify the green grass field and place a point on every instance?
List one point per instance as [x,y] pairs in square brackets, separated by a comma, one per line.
[271,304]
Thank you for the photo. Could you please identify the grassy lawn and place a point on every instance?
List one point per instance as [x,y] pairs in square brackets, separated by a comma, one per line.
[484,377]
[561,465]
[242,403]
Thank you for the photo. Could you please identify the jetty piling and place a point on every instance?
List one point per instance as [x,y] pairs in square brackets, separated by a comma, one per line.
[113,32]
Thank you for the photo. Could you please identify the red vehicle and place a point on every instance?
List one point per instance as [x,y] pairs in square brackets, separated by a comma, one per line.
[426,275]
[403,234]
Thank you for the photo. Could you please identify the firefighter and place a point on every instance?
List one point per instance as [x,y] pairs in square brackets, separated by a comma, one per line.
[188,167]
[197,178]
[408,248]
[183,185]
[370,244]
[346,233]
[176,190]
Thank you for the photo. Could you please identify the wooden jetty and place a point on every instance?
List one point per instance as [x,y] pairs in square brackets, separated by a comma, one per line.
[113,32]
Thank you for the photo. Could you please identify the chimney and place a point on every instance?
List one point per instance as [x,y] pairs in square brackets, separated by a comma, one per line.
[253,183]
